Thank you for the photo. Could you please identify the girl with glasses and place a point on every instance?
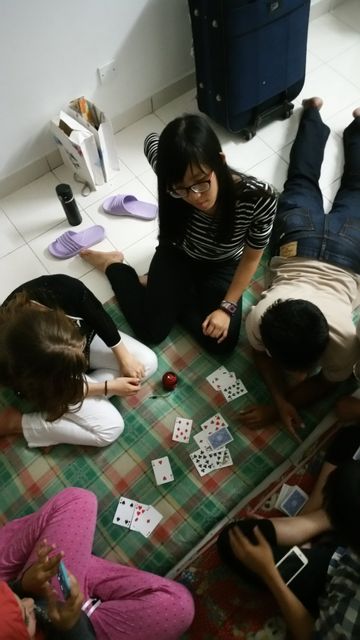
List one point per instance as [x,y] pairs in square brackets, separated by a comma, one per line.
[214,224]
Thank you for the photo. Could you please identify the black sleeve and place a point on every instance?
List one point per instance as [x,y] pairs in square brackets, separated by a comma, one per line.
[75,299]
[98,319]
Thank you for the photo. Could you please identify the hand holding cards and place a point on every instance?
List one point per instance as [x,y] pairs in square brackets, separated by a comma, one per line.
[136,516]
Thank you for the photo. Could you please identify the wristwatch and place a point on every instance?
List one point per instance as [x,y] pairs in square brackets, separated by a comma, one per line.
[229,307]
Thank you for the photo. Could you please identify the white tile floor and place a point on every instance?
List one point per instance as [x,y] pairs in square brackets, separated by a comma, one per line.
[32,217]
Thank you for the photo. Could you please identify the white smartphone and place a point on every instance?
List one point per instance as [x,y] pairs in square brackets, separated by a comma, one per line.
[291,564]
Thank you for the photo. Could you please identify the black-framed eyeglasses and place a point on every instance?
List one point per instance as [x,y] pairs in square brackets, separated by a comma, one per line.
[198,187]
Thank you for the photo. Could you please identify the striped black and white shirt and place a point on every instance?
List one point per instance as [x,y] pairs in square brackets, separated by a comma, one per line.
[253,221]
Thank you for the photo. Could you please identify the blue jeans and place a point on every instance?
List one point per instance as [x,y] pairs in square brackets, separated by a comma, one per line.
[332,238]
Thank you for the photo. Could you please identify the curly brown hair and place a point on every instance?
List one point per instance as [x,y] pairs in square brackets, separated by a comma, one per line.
[42,356]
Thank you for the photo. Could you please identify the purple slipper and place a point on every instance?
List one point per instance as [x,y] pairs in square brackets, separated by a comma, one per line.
[126,205]
[71,243]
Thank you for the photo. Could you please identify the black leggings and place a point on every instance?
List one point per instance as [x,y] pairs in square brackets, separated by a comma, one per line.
[179,289]
[308,585]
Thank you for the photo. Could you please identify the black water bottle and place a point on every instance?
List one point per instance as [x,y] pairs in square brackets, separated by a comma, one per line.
[66,197]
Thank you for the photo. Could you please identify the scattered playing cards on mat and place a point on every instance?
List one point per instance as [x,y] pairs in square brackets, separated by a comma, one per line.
[137,516]
[226,381]
[212,453]
[291,499]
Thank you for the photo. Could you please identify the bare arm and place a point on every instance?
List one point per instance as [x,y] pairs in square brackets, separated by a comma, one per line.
[216,324]
[128,365]
[245,270]
[259,558]
[286,400]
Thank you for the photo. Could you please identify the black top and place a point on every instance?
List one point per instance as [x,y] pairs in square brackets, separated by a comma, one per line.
[76,300]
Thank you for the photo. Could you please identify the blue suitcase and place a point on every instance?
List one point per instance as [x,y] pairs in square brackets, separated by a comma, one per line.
[250,58]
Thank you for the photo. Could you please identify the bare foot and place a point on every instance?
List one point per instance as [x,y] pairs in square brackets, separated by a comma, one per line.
[356,112]
[312,102]
[144,279]
[101,259]
[10,422]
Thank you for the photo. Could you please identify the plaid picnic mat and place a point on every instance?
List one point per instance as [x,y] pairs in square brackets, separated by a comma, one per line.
[190,505]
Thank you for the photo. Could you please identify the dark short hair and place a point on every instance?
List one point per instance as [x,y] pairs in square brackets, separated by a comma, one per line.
[342,502]
[295,333]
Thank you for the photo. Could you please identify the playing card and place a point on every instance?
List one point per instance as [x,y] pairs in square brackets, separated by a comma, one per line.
[162,470]
[124,512]
[182,430]
[294,501]
[147,521]
[139,511]
[220,438]
[202,441]
[218,378]
[214,423]
[234,390]
[202,462]
[227,459]
[216,458]
[283,493]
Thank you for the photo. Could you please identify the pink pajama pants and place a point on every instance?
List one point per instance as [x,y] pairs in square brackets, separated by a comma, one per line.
[135,605]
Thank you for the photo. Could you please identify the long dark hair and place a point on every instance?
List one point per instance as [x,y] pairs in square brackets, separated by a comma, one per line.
[190,140]
[42,357]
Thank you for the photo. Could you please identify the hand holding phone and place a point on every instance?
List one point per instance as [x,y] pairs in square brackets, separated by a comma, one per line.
[291,564]
[64,580]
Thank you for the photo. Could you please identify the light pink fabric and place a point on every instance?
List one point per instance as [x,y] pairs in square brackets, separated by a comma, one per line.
[136,605]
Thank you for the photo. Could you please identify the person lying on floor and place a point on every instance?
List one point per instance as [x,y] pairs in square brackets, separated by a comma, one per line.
[323,600]
[53,330]
[303,321]
[107,601]
[214,224]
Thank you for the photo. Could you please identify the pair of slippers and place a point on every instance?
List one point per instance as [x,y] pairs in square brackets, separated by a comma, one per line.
[70,243]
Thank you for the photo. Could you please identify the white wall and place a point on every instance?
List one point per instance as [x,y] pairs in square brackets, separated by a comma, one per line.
[50,52]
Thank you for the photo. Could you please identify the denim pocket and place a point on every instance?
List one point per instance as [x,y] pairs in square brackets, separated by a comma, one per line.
[297,220]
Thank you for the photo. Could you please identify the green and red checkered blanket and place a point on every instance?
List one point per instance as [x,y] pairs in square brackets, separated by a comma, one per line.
[191,505]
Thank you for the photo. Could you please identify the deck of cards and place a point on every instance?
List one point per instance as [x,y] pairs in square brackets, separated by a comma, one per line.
[136,516]
[226,381]
[291,499]
[212,453]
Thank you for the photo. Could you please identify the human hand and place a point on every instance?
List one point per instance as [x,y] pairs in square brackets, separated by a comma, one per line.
[256,557]
[216,325]
[289,417]
[38,574]
[258,415]
[131,367]
[64,614]
[123,386]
